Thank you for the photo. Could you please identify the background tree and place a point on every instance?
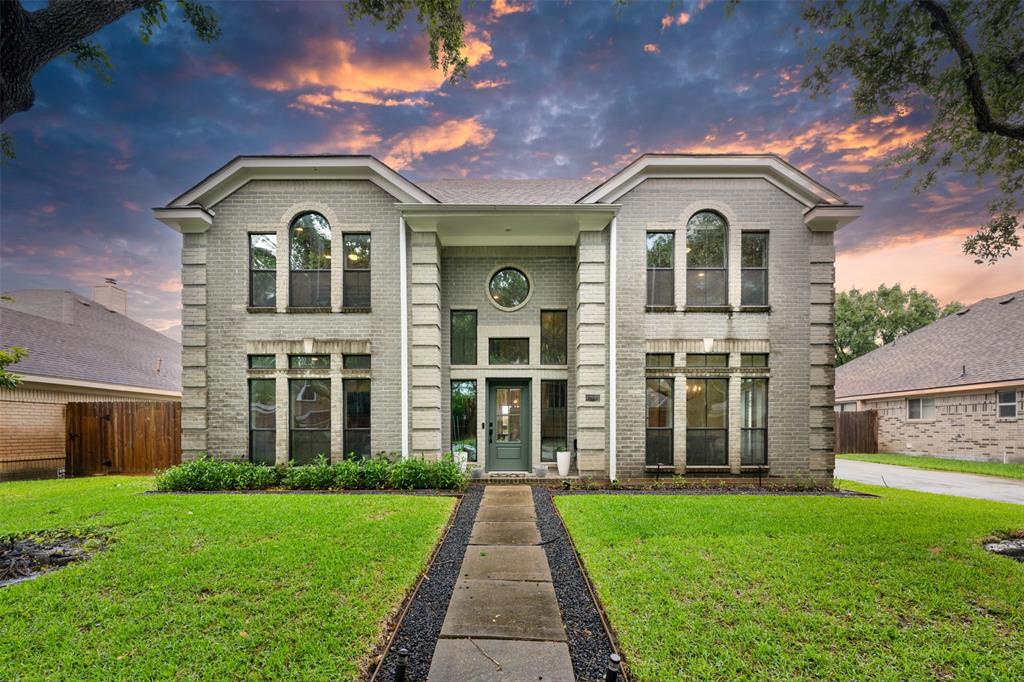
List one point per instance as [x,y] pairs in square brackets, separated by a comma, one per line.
[10,356]
[30,40]
[966,58]
[869,319]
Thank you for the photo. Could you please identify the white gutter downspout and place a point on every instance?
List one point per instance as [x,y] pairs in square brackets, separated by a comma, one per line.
[612,362]
[404,335]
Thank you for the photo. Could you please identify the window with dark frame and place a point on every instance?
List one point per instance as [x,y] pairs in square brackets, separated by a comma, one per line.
[707,359]
[659,421]
[753,360]
[356,435]
[508,351]
[707,419]
[1007,404]
[262,421]
[553,337]
[309,362]
[920,409]
[754,268]
[355,286]
[464,418]
[661,269]
[554,425]
[262,270]
[463,326]
[706,260]
[355,361]
[309,419]
[659,360]
[754,426]
[309,262]
[262,361]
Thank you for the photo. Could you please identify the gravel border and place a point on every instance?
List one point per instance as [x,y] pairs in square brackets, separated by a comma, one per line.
[589,641]
[421,625]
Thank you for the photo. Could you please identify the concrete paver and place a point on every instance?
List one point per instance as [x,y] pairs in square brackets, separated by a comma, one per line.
[504,609]
[503,562]
[505,512]
[475,660]
[504,533]
[928,481]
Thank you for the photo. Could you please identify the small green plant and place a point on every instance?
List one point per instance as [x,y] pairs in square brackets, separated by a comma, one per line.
[447,475]
[348,475]
[409,474]
[376,473]
[316,476]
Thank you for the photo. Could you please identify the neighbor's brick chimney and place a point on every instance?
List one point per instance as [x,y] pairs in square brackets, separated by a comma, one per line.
[111,296]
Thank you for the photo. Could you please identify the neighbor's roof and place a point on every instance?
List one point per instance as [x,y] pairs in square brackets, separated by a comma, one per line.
[72,337]
[983,343]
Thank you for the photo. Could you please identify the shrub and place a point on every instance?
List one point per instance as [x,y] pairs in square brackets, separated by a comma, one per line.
[412,473]
[376,473]
[447,474]
[316,476]
[216,474]
[348,475]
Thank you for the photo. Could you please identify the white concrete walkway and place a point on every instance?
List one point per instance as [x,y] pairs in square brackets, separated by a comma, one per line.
[928,481]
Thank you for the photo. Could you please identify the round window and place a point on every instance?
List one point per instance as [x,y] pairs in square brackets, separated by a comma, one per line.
[509,288]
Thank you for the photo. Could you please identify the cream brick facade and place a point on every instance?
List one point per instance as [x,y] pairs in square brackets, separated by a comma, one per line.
[572,251]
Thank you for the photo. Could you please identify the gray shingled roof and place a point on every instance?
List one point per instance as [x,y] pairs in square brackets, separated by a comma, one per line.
[72,337]
[506,192]
[987,340]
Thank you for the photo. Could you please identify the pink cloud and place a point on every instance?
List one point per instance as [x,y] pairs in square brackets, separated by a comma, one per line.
[501,8]
[490,84]
[680,19]
[132,206]
[652,47]
[407,148]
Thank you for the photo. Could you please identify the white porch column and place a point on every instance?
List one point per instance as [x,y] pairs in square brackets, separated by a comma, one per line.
[403,297]
[612,360]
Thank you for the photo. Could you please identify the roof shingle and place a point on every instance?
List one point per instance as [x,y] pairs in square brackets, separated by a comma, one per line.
[507,192]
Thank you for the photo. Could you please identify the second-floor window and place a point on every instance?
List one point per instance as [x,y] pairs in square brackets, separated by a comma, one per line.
[706,280]
[660,264]
[553,348]
[356,285]
[310,262]
[463,350]
[754,268]
[262,270]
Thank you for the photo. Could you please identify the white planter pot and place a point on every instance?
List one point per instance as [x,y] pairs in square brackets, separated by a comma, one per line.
[563,462]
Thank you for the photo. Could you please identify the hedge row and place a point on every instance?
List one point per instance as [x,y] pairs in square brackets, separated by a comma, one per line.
[371,474]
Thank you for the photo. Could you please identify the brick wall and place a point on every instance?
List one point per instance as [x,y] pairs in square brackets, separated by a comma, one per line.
[966,426]
[797,331]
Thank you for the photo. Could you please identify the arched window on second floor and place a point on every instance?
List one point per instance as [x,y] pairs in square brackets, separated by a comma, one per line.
[310,261]
[707,281]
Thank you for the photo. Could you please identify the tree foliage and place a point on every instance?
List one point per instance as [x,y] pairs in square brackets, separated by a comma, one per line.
[10,356]
[866,320]
[966,59]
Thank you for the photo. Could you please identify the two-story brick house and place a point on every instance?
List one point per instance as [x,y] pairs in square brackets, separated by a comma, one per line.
[678,315]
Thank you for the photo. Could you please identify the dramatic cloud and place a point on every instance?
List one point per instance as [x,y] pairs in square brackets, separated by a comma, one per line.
[680,19]
[408,148]
[500,8]
[651,47]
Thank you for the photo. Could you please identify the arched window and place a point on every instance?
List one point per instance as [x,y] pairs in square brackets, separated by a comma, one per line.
[706,280]
[310,261]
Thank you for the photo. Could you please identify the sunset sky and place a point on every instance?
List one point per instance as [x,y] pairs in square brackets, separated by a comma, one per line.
[556,89]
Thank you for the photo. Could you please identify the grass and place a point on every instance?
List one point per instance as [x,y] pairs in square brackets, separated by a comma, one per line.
[939,464]
[211,586]
[736,587]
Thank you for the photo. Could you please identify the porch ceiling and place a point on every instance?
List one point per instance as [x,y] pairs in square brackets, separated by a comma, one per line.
[477,225]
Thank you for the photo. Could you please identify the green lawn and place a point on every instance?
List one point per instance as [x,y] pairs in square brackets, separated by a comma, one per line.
[959,465]
[730,588]
[211,586]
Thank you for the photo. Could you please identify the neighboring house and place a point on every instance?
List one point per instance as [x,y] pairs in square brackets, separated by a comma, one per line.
[78,350]
[952,389]
[678,314]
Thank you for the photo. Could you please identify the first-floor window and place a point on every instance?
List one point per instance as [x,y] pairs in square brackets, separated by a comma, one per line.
[262,421]
[846,407]
[310,410]
[464,418]
[553,419]
[659,421]
[707,414]
[357,418]
[754,434]
[355,362]
[920,408]
[1007,401]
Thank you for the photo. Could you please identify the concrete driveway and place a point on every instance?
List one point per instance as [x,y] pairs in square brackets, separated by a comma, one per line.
[942,482]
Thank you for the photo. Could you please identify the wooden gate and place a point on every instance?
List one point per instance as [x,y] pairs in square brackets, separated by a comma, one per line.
[122,438]
[857,431]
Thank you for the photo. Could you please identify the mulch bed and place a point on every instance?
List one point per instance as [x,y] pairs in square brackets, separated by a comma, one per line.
[590,642]
[28,556]
[420,626]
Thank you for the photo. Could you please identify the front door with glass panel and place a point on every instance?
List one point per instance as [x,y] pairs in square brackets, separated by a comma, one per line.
[508,426]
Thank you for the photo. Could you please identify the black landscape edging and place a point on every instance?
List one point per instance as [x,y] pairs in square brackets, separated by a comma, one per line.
[590,642]
[721,492]
[424,492]
[421,624]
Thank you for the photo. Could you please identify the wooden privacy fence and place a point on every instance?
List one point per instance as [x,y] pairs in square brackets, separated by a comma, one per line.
[857,431]
[122,437]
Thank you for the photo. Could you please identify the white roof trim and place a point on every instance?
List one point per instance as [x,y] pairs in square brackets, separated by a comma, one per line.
[768,167]
[242,169]
[831,218]
[186,219]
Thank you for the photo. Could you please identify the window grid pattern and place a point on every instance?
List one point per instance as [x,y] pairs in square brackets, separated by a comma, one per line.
[263,421]
[356,435]
[309,261]
[707,419]
[355,284]
[263,270]
[660,436]
[660,269]
[754,269]
[754,426]
[706,260]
